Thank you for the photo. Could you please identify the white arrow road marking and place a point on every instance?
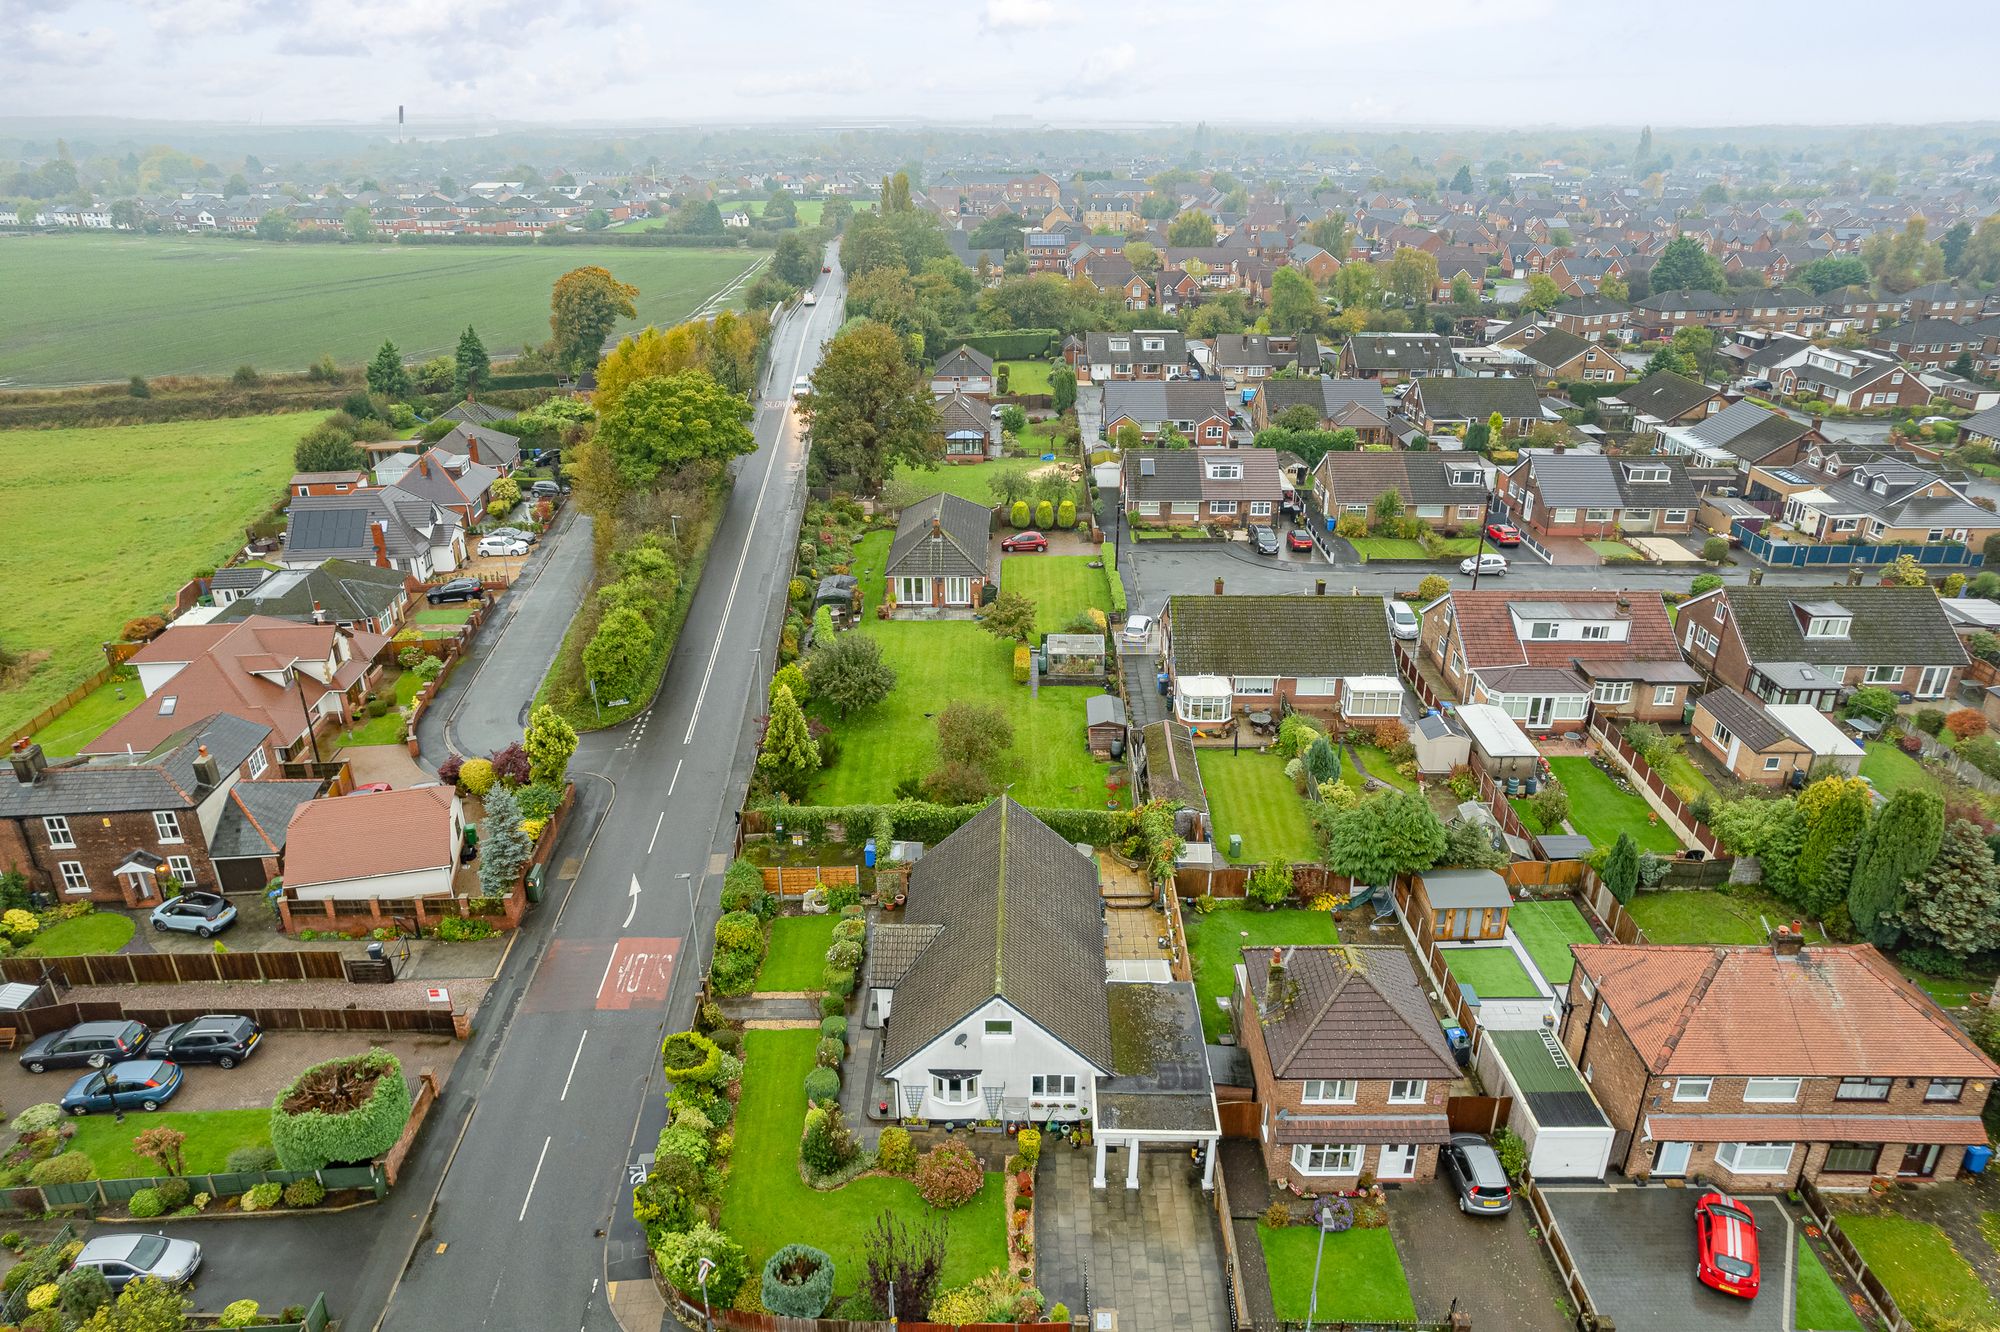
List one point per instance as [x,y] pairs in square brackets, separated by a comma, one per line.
[633,910]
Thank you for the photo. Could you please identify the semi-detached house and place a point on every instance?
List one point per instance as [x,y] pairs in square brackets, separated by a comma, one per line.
[1325,655]
[1806,645]
[1189,487]
[1195,410]
[1558,494]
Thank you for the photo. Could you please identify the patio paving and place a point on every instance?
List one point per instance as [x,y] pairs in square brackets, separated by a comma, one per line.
[1152,1253]
[385,763]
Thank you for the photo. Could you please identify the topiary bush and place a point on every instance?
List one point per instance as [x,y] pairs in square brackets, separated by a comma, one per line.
[848,927]
[689,1056]
[822,1084]
[740,931]
[343,1110]
[948,1174]
[832,1005]
[835,1026]
[895,1153]
[839,980]
[844,953]
[680,1256]
[830,1052]
[476,777]
[145,1204]
[248,1160]
[263,1197]
[827,1146]
[66,1168]
[304,1193]
[798,1282]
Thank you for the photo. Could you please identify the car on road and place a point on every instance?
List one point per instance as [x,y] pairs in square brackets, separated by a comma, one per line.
[1264,540]
[203,914]
[222,1039]
[826,268]
[801,386]
[1299,539]
[1491,562]
[125,1258]
[86,1045]
[1934,420]
[1503,534]
[458,589]
[1472,1168]
[546,489]
[135,1084]
[810,299]
[1138,629]
[1725,1245]
[1402,620]
[506,547]
[1021,541]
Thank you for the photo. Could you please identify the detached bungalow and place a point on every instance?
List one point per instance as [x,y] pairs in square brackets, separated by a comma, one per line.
[1235,654]
[937,563]
[1437,403]
[1558,494]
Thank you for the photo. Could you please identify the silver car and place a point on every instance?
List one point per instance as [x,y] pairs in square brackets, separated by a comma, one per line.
[1473,1169]
[126,1258]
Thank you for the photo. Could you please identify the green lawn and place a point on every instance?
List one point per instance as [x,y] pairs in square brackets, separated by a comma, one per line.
[211,1136]
[1818,1305]
[407,685]
[1891,769]
[937,662]
[796,958]
[1546,930]
[386,729]
[809,209]
[458,614]
[1600,811]
[1216,942]
[765,1204]
[1613,550]
[145,506]
[98,932]
[1495,972]
[971,481]
[1928,1277]
[1061,586]
[1388,548]
[1360,1277]
[1248,793]
[1949,991]
[1685,778]
[1042,437]
[1704,916]
[1380,766]
[1025,376]
[92,715]
[104,307]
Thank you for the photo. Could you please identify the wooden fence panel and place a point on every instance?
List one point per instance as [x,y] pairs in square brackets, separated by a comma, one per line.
[798,880]
[1239,1118]
[1478,1114]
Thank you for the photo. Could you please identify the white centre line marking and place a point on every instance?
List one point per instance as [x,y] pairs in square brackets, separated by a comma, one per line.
[574,1060]
[532,1178]
[607,970]
[670,790]
[662,819]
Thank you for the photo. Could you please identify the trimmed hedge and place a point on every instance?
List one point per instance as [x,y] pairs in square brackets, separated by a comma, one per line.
[690,1057]
[922,821]
[313,1139]
[1018,344]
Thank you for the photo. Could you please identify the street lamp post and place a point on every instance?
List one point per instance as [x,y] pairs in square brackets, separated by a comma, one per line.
[693,933]
[1323,1216]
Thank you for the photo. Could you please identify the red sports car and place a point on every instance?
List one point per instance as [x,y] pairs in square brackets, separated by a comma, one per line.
[826,268]
[1021,541]
[370,788]
[1503,534]
[1299,539]
[1725,1245]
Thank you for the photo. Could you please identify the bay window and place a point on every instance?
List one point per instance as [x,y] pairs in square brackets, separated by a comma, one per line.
[1326,1159]
[1612,691]
[955,1088]
[1754,1158]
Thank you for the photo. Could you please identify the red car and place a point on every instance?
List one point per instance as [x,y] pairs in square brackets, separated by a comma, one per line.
[1503,534]
[1299,539]
[1725,1245]
[826,268]
[1025,541]
[370,788]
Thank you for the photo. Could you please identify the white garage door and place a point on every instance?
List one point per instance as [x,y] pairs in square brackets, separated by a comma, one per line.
[1569,1153]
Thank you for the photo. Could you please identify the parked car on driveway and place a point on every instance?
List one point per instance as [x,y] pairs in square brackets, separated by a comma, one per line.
[136,1084]
[1025,541]
[1264,540]
[1473,1170]
[1503,534]
[86,1045]
[1138,628]
[506,547]
[1725,1245]
[458,589]
[222,1039]
[1490,563]
[125,1258]
[205,914]
[515,534]
[1402,620]
[1299,539]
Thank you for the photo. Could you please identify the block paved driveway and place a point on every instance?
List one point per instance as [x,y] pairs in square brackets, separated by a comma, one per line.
[1152,1253]
[1635,1249]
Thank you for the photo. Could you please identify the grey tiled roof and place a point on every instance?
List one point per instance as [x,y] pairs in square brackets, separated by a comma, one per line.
[162,779]
[1461,399]
[1279,636]
[1324,395]
[345,589]
[1748,431]
[1592,480]
[1021,918]
[1152,401]
[254,818]
[1369,1020]
[1412,353]
[1892,626]
[892,948]
[1665,395]
[961,529]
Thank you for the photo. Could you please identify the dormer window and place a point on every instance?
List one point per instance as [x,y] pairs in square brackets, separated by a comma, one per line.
[1828,626]
[1121,344]
[1541,629]
[1465,476]
[1225,471]
[1880,486]
[1155,344]
[1646,474]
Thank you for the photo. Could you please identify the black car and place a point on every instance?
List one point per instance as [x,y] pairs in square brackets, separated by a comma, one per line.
[1265,539]
[458,589]
[86,1045]
[218,1038]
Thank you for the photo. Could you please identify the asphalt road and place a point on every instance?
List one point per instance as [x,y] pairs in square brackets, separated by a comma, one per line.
[548,1112]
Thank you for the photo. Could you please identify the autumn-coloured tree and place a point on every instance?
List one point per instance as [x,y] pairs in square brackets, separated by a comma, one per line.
[163,1147]
[586,305]
[672,421]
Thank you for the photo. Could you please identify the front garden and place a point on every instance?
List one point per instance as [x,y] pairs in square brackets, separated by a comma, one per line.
[1361,1278]
[68,929]
[1929,1278]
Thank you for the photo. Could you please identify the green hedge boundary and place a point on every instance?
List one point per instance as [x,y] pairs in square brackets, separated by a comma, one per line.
[1009,345]
[922,821]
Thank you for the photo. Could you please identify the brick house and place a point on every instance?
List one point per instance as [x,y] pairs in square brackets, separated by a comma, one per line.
[1436,403]
[1446,490]
[1557,494]
[1883,500]
[483,445]
[1929,344]
[341,592]
[1742,435]
[1393,358]
[1660,315]
[1769,744]
[1558,355]
[1551,662]
[1860,380]
[1800,645]
[1189,487]
[327,483]
[1757,1067]
[937,561]
[1144,353]
[1195,410]
[1236,654]
[1351,1066]
[965,427]
[1664,398]
[455,484]
[109,829]
[1350,404]
[384,851]
[963,370]
[1591,317]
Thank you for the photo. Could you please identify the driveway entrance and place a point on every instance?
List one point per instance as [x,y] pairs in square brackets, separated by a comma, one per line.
[1152,1253]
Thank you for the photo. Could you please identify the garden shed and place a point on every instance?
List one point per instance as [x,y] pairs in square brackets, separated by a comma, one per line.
[1073,658]
[1104,725]
[1499,746]
[1440,744]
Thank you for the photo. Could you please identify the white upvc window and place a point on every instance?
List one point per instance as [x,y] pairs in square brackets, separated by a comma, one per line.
[955,1090]
[258,763]
[957,591]
[1222,506]
[1061,1086]
[74,880]
[1597,515]
[1316,686]
[1372,703]
[1562,516]
[1770,1089]
[168,825]
[1469,513]
[1693,1089]
[1664,696]
[60,837]
[1407,1091]
[1259,686]
[1612,691]
[1260,508]
[1205,708]
[1676,516]
[182,868]
[1187,508]
[1327,1091]
[1883,675]
[1723,735]
[1771,763]
[1326,1159]
[913,591]
[1754,1158]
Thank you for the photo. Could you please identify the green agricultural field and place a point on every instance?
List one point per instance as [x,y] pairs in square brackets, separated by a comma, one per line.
[84,309]
[108,522]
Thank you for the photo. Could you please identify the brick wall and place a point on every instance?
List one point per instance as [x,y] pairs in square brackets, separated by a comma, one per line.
[102,841]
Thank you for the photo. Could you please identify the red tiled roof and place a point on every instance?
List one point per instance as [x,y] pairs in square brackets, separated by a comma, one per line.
[1486,628]
[1829,1012]
[361,836]
[1960,1129]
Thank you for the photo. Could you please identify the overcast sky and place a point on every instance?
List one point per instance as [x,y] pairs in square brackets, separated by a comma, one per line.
[1502,63]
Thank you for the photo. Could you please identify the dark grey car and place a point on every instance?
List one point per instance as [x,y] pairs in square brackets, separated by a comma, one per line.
[1264,540]
[86,1045]
[1473,1169]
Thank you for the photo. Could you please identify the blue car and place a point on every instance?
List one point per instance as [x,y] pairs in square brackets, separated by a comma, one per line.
[204,914]
[136,1084]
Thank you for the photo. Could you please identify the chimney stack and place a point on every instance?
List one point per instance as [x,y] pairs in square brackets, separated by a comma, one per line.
[207,771]
[28,762]
[378,531]
[1788,940]
[319,613]
[1218,587]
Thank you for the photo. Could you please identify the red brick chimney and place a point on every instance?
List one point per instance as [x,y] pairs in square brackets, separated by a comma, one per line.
[472,447]
[379,532]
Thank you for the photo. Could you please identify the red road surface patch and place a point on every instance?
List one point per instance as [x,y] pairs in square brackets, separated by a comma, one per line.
[639,973]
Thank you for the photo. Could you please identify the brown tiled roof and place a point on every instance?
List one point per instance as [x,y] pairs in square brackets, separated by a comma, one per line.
[361,836]
[1960,1129]
[1486,629]
[1830,1012]
[1369,1020]
[1366,1128]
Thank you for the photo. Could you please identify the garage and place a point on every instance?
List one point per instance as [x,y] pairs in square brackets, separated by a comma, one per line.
[1567,1135]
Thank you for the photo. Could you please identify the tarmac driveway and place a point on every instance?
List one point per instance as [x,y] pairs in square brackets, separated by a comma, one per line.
[276,1260]
[1635,1249]
[1489,1265]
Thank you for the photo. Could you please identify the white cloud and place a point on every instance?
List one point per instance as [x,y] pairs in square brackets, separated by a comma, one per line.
[848,82]
[41,43]
[1005,15]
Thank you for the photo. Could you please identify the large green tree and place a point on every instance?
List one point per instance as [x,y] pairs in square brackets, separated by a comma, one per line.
[549,741]
[1330,234]
[1685,265]
[1412,274]
[583,310]
[1902,259]
[869,410]
[1295,306]
[471,365]
[1388,833]
[1193,229]
[848,671]
[796,260]
[1835,810]
[1621,867]
[670,421]
[789,755]
[1955,905]
[1835,270]
[1899,847]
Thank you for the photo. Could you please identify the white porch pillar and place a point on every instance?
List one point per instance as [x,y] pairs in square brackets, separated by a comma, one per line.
[1208,1166]
[1132,1165]
[1097,1180]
